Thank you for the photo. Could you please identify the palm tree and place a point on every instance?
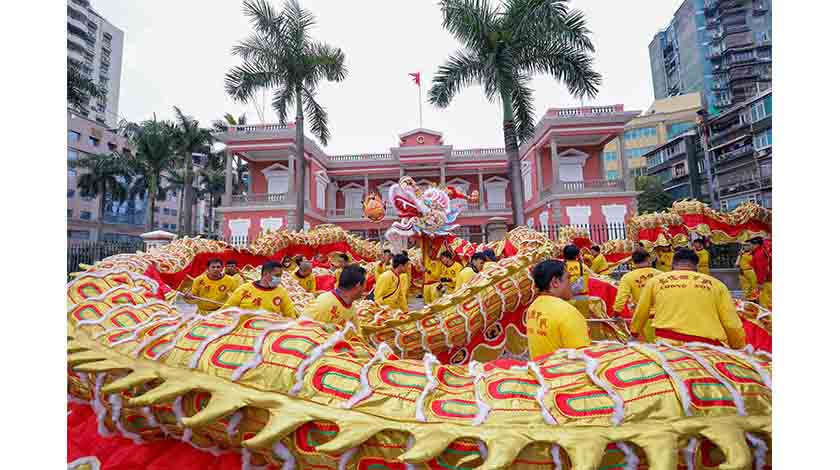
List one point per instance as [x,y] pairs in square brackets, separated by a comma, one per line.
[502,46]
[156,144]
[104,176]
[281,56]
[221,125]
[80,89]
[190,138]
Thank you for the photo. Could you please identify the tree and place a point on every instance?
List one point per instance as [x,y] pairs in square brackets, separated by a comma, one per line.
[652,198]
[502,46]
[80,89]
[221,125]
[156,144]
[105,176]
[282,57]
[190,138]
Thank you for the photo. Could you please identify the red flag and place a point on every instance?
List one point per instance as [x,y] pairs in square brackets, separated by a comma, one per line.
[416,76]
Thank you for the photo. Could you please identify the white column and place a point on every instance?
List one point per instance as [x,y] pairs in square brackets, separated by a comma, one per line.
[364,195]
[539,172]
[555,163]
[443,177]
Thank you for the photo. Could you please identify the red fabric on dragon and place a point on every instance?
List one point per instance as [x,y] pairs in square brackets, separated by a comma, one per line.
[119,453]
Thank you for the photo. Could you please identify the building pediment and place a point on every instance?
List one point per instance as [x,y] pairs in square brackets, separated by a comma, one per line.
[420,137]
[573,156]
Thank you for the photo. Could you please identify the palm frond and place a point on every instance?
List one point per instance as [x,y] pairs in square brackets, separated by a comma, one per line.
[282,102]
[463,68]
[317,117]
[569,65]
[472,22]
[244,80]
[264,18]
[327,62]
[522,101]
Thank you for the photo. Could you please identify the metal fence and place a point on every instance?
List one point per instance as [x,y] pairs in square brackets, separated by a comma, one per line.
[89,252]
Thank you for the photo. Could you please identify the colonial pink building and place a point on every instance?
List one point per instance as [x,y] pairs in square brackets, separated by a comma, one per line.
[563,176]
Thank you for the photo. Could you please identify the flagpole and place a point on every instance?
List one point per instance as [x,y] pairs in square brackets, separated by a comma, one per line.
[420,103]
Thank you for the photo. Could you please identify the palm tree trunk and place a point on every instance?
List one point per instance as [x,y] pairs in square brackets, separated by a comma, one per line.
[514,165]
[151,194]
[188,194]
[100,222]
[300,162]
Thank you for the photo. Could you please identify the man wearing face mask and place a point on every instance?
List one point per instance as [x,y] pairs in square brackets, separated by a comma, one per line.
[265,294]
[552,322]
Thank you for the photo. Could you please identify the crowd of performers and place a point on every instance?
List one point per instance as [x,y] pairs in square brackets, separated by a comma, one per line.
[670,292]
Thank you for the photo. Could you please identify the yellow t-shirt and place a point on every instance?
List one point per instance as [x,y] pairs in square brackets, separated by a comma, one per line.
[250,296]
[238,278]
[405,285]
[703,264]
[664,260]
[692,304]
[554,324]
[745,262]
[450,272]
[576,271]
[388,291]
[307,282]
[329,308]
[599,264]
[218,290]
[631,286]
[464,276]
[433,269]
[381,268]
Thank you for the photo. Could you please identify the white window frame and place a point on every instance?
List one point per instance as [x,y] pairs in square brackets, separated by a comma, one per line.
[239,231]
[579,215]
[277,173]
[615,215]
[351,192]
[527,183]
[461,185]
[321,183]
[271,223]
[496,192]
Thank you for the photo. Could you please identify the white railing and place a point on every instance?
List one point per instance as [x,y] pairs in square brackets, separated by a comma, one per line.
[584,111]
[255,128]
[259,199]
[361,157]
[477,153]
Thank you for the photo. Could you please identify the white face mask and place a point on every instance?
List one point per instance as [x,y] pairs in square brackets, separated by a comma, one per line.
[275,281]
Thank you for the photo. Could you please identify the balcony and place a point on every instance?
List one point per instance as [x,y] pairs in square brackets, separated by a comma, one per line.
[713,54]
[478,154]
[370,157]
[260,199]
[259,128]
[586,186]
[733,154]
[583,111]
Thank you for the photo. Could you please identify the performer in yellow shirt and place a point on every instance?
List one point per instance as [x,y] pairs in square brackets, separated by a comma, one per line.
[431,278]
[389,289]
[631,284]
[265,294]
[343,260]
[599,263]
[746,274]
[475,267]
[552,322]
[664,258]
[336,306]
[289,264]
[212,288]
[232,270]
[384,263]
[690,306]
[578,279]
[448,272]
[703,256]
[304,276]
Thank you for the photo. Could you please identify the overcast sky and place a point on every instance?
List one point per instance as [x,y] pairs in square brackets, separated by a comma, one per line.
[178,52]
